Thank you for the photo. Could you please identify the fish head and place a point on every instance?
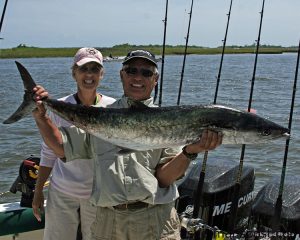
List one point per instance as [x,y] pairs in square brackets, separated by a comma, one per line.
[249,128]
[254,136]
[268,134]
[266,130]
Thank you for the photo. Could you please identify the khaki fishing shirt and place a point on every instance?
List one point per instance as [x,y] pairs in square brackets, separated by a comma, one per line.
[120,179]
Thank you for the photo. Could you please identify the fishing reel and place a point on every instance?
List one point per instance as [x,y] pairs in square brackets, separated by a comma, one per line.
[195,226]
[26,180]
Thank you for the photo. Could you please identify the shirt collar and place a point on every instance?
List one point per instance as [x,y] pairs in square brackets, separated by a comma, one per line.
[127,101]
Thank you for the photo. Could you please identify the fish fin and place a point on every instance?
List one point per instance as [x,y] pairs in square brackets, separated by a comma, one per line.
[28,82]
[136,104]
[28,103]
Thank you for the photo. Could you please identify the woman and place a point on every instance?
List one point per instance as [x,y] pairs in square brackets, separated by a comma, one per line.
[70,188]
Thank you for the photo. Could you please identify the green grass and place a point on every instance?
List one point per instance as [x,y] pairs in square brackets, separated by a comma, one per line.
[120,50]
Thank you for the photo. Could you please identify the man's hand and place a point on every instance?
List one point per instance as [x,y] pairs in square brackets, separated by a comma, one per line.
[209,140]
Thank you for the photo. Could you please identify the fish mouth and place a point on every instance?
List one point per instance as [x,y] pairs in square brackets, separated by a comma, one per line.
[286,135]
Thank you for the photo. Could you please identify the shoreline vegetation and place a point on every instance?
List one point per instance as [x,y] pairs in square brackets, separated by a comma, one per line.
[23,51]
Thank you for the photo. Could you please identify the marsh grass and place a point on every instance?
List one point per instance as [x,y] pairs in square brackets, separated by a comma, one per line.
[23,51]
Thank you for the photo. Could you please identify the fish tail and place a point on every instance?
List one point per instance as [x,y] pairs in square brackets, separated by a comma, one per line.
[28,104]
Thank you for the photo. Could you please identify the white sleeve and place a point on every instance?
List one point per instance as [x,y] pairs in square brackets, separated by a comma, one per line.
[48,157]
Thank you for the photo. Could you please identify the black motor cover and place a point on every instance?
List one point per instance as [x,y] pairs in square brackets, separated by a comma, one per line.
[263,205]
[215,202]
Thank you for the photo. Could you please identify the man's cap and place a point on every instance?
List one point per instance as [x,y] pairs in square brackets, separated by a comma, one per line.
[141,54]
[85,55]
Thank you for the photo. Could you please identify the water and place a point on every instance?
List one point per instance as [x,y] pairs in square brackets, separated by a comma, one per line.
[271,99]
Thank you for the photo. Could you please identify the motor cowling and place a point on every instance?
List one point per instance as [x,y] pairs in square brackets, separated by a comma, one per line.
[26,180]
[217,196]
[263,208]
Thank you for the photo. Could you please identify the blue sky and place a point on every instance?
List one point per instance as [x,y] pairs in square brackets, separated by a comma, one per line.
[98,23]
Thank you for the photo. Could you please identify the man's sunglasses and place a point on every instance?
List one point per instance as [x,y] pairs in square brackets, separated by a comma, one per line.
[86,69]
[134,71]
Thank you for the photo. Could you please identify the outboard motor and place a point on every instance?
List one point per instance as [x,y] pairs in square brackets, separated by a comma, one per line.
[216,200]
[25,182]
[264,206]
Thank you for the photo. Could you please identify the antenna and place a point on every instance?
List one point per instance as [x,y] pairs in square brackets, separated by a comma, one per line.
[3,13]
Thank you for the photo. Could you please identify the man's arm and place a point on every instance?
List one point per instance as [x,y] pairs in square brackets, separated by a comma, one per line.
[169,172]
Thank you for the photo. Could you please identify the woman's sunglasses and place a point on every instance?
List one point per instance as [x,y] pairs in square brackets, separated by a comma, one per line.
[86,69]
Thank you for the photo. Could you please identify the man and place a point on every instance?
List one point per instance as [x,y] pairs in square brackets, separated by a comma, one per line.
[71,184]
[134,193]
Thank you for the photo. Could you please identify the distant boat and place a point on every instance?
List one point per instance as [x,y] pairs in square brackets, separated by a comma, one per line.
[110,58]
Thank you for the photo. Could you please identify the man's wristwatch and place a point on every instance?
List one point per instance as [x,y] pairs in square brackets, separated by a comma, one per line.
[190,156]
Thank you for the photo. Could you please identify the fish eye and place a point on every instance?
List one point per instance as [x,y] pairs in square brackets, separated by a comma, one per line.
[266,132]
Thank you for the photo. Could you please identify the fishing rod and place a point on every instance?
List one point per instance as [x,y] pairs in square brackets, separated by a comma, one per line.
[237,186]
[3,13]
[222,55]
[162,58]
[185,51]
[203,168]
[278,205]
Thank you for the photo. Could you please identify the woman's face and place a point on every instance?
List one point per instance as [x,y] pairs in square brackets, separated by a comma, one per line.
[88,75]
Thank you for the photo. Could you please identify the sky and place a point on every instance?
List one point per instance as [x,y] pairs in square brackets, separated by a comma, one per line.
[99,23]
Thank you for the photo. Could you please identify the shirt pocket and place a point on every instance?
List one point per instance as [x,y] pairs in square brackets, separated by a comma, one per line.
[102,148]
[149,159]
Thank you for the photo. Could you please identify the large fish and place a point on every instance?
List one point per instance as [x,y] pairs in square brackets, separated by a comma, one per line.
[141,128]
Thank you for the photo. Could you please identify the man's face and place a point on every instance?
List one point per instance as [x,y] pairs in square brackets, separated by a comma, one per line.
[139,78]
